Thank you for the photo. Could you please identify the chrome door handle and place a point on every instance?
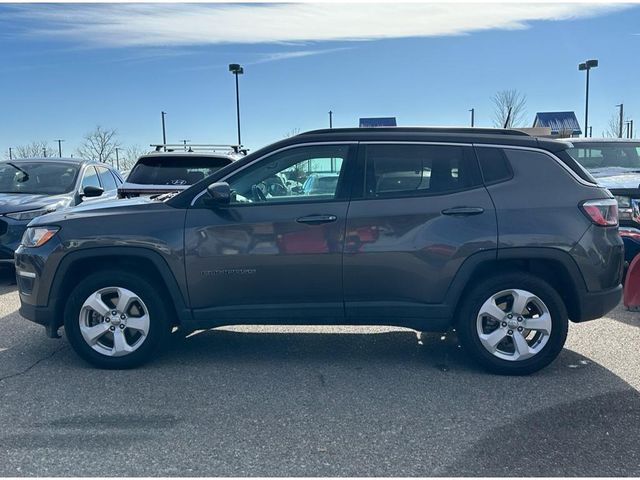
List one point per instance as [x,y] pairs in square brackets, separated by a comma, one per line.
[317,219]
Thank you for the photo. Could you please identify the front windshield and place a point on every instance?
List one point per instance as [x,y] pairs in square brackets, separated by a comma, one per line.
[47,178]
[595,156]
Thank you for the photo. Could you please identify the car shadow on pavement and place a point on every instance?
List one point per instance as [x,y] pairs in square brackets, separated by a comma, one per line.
[249,401]
[625,316]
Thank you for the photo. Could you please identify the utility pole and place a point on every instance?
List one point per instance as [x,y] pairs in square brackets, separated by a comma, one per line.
[473,111]
[621,106]
[59,147]
[10,153]
[590,132]
[237,69]
[117,159]
[164,132]
[330,118]
[627,124]
[44,152]
[631,136]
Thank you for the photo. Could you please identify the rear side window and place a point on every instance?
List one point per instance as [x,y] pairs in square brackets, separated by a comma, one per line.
[415,170]
[175,170]
[494,165]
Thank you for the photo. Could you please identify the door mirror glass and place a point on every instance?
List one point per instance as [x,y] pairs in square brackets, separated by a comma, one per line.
[91,191]
[219,193]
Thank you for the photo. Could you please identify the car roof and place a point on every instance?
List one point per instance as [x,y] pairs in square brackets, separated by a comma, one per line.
[49,159]
[496,136]
[602,140]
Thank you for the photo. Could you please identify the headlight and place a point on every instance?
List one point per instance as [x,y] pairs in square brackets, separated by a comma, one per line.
[38,236]
[623,202]
[30,214]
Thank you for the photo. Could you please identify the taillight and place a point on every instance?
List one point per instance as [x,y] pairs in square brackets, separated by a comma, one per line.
[601,212]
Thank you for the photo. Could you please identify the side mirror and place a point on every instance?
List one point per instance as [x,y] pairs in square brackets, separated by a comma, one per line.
[218,194]
[91,191]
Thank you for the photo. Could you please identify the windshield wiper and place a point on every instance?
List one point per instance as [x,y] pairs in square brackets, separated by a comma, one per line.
[26,175]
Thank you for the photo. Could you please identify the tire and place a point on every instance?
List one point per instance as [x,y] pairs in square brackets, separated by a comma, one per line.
[142,335]
[544,313]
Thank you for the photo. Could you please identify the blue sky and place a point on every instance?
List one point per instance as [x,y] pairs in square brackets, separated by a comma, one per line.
[67,68]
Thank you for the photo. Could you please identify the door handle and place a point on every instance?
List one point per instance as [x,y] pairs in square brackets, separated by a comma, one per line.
[463,211]
[317,219]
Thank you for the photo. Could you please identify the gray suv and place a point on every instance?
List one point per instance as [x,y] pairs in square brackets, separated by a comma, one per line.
[495,233]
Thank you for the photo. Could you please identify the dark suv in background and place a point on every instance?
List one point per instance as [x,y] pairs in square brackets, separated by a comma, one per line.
[502,235]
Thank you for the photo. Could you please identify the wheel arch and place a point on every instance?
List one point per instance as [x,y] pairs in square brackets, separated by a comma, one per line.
[554,266]
[79,264]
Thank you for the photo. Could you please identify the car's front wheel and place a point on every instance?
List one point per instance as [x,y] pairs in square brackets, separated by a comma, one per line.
[115,319]
[513,324]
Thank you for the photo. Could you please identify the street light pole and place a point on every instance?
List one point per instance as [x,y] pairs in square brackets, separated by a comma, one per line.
[117,159]
[473,111]
[330,118]
[44,152]
[621,119]
[185,143]
[236,69]
[59,147]
[164,132]
[10,153]
[588,65]
[590,132]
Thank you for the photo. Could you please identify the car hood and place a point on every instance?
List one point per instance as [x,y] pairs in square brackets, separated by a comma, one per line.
[616,177]
[19,202]
[94,209]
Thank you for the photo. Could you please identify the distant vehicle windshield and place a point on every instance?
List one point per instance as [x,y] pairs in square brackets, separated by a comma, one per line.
[178,170]
[48,178]
[594,155]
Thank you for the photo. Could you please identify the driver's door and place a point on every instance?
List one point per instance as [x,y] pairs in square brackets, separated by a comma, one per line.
[276,250]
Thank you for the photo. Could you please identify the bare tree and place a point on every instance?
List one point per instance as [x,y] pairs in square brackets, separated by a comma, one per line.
[130,157]
[292,133]
[99,145]
[39,148]
[613,127]
[509,109]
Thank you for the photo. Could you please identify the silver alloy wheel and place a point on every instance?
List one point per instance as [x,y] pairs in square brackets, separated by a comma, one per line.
[114,321]
[514,325]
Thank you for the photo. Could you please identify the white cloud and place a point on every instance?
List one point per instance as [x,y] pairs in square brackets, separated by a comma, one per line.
[123,25]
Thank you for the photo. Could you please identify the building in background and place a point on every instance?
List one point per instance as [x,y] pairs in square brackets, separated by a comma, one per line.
[378,122]
[562,124]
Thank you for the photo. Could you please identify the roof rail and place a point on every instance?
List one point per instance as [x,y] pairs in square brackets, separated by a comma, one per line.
[454,130]
[200,147]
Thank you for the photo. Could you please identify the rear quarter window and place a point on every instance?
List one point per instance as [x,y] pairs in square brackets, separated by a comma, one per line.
[494,165]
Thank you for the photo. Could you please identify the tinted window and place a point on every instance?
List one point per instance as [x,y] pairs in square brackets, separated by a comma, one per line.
[37,177]
[298,174]
[175,170]
[408,170]
[494,164]
[90,178]
[108,183]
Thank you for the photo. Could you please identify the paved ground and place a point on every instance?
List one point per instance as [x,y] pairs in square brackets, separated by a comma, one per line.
[309,401]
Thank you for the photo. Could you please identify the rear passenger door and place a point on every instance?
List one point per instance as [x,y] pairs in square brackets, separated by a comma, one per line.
[419,211]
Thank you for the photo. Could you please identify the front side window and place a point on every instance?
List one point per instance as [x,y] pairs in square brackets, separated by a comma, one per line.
[415,170]
[37,177]
[299,174]
[107,179]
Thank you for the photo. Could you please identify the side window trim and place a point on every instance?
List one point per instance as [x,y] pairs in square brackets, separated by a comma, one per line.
[349,155]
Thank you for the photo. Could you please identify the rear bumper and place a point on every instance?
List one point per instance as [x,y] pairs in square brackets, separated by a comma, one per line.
[597,304]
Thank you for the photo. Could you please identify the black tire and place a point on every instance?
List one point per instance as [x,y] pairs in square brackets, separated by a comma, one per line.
[159,325]
[473,301]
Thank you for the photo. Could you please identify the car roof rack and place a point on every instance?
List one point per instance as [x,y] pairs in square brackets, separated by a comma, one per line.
[453,130]
[200,147]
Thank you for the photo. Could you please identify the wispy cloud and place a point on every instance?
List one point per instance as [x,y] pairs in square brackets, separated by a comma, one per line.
[124,25]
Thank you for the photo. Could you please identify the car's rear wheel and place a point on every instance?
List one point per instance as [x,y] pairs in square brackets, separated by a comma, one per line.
[513,324]
[115,319]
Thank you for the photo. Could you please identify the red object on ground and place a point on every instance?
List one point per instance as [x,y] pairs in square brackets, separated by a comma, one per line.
[631,297]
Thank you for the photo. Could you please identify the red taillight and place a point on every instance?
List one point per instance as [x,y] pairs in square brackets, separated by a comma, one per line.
[602,212]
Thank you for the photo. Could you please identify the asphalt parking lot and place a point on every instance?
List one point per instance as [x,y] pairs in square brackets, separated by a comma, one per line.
[318,401]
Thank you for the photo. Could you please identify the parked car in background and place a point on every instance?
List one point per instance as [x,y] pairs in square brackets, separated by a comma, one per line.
[37,186]
[424,228]
[615,164]
[175,170]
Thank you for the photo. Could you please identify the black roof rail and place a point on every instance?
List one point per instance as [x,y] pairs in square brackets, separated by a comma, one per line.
[453,130]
